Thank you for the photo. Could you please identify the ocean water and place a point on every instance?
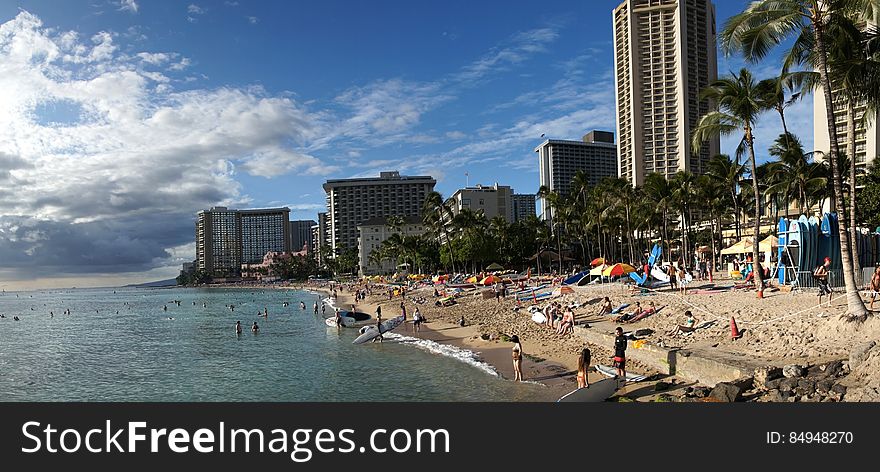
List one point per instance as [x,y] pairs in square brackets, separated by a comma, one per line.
[120,345]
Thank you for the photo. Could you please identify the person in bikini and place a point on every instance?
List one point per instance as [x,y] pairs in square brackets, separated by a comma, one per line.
[874,287]
[517,354]
[583,367]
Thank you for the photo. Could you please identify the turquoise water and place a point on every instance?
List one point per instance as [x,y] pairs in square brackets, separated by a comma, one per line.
[95,354]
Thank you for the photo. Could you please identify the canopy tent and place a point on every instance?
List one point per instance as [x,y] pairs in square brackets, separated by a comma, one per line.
[745,245]
[495,266]
[597,270]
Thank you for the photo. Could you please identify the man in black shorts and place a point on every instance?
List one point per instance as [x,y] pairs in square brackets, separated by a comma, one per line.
[620,353]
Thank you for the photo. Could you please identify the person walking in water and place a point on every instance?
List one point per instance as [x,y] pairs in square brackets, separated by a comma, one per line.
[316,308]
[378,325]
[238,327]
[255,328]
[517,353]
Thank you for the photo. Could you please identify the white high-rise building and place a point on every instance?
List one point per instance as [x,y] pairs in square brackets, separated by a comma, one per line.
[664,55]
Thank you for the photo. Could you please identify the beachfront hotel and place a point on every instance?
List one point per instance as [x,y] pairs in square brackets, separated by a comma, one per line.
[495,200]
[664,55]
[301,235]
[227,238]
[373,232]
[320,236]
[559,160]
[523,206]
[350,202]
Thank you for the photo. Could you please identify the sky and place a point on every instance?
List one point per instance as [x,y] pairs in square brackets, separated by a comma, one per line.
[120,119]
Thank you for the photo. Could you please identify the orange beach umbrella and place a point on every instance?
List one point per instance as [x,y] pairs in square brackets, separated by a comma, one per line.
[597,261]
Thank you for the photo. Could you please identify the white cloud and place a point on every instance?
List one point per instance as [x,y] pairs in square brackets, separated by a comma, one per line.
[520,47]
[252,19]
[108,168]
[455,135]
[195,9]
[128,5]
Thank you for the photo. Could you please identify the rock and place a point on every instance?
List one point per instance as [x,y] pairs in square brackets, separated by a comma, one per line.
[726,392]
[772,384]
[777,396]
[810,399]
[787,385]
[766,374]
[859,353]
[701,392]
[831,369]
[661,386]
[664,398]
[485,337]
[839,389]
[792,371]
[805,387]
[643,332]
[824,386]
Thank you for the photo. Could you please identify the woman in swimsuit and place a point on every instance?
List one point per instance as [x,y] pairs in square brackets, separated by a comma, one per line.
[583,367]
[606,308]
[517,354]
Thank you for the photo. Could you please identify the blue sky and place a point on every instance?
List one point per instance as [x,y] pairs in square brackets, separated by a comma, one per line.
[123,118]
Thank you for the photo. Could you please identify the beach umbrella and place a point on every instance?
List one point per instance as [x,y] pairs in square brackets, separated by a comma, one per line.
[618,269]
[489,280]
[597,261]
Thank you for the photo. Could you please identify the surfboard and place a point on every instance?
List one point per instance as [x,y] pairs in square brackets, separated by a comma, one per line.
[658,274]
[346,321]
[621,307]
[813,224]
[609,371]
[574,279]
[538,317]
[371,332]
[596,392]
[782,230]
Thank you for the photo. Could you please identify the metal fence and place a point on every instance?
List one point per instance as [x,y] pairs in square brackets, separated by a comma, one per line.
[835,278]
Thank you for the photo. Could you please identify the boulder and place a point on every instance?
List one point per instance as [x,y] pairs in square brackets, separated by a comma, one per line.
[788,385]
[859,353]
[726,392]
[766,374]
[824,386]
[792,371]
[745,383]
[838,389]
[777,397]
[772,384]
[805,387]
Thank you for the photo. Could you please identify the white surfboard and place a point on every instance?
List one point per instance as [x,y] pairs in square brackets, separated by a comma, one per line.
[596,392]
[612,372]
[371,331]
[346,321]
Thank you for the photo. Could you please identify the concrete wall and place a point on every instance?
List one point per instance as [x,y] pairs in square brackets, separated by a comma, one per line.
[691,365]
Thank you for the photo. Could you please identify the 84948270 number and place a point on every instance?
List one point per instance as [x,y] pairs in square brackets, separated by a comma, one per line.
[823,437]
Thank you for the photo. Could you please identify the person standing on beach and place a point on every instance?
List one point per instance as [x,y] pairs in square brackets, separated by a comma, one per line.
[403,310]
[821,276]
[672,276]
[682,280]
[517,353]
[874,287]
[583,367]
[620,353]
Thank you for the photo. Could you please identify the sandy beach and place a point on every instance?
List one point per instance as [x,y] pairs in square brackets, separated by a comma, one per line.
[779,329]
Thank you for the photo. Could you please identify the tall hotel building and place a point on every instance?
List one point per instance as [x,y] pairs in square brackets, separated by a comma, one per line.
[664,55]
[301,235]
[226,239]
[523,206]
[866,131]
[559,161]
[350,202]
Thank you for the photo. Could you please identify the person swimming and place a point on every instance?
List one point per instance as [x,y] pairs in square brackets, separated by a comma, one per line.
[255,328]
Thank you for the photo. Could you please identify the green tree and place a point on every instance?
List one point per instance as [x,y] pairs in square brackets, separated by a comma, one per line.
[739,103]
[810,24]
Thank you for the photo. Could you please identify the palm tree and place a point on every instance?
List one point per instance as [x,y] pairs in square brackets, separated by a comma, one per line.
[739,104]
[767,23]
[797,176]
[683,185]
[728,174]
[436,214]
[657,190]
[553,199]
